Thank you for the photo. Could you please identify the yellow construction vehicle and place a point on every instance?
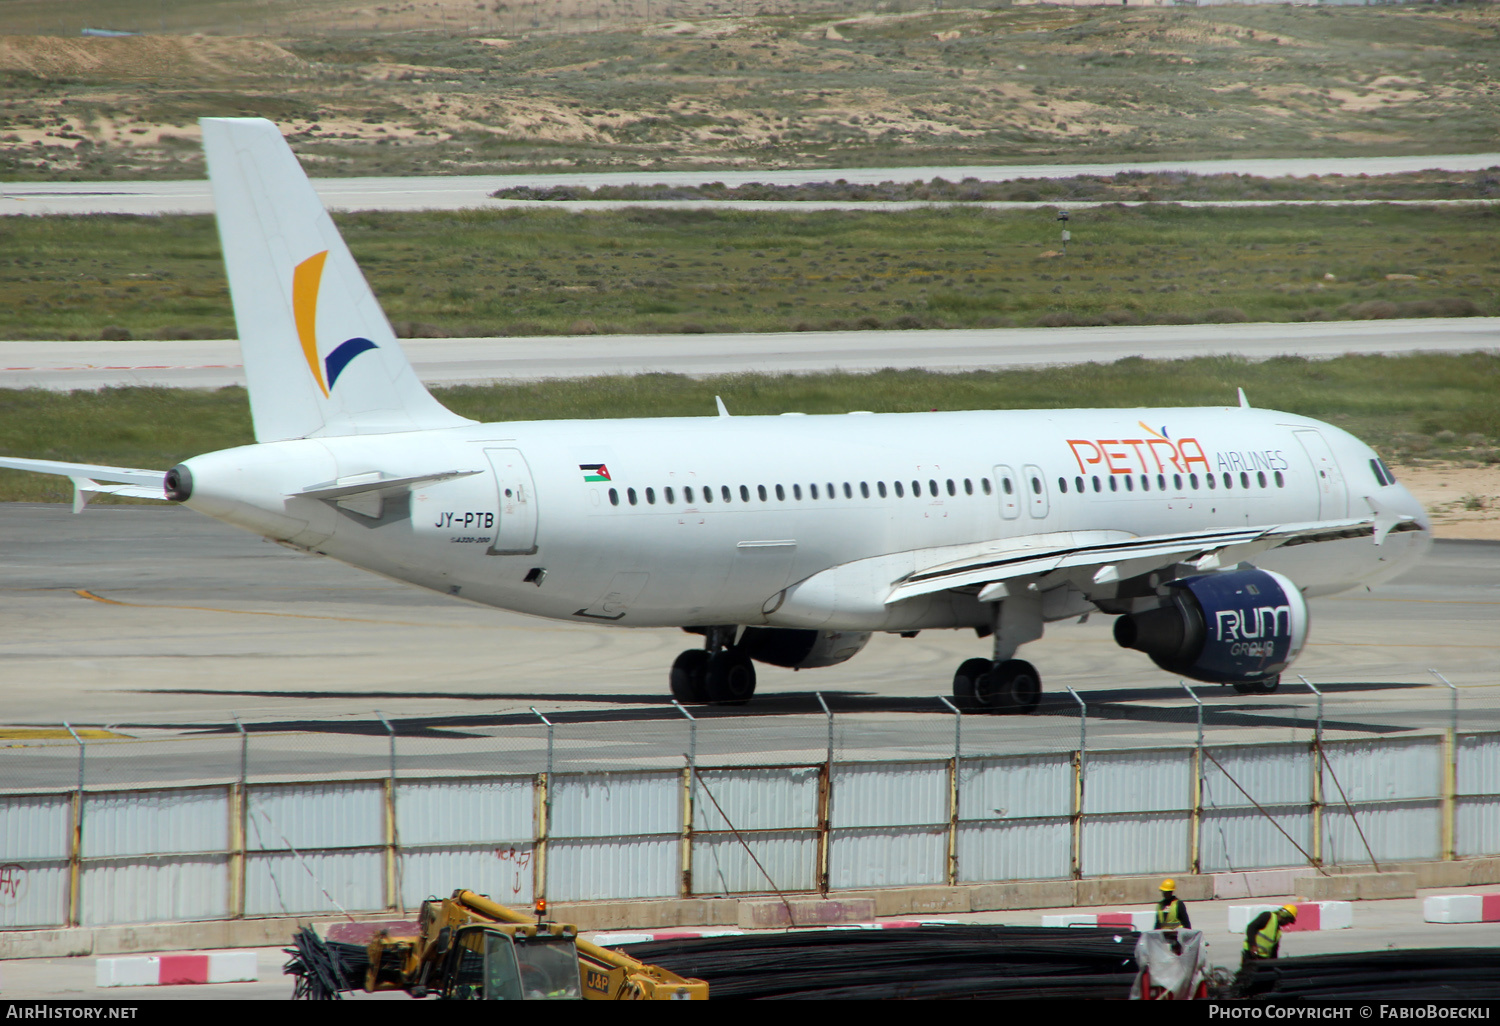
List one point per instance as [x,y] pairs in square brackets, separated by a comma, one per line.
[469,947]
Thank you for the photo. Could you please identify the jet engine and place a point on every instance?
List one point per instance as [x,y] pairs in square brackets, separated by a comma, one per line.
[1226,628]
[801,650]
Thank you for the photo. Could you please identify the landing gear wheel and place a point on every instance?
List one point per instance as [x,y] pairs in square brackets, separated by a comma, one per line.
[690,676]
[731,678]
[1258,687]
[1012,686]
[969,672]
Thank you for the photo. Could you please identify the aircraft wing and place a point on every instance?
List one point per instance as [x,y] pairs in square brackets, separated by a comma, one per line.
[1101,557]
[90,480]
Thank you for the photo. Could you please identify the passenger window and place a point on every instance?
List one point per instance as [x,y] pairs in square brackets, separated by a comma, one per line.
[1036,486]
[687,494]
[985,484]
[744,493]
[849,492]
[880,487]
[1145,482]
[864,489]
[780,494]
[1096,483]
[812,491]
[1114,483]
[1129,483]
[951,489]
[1161,482]
[614,497]
[1005,483]
[932,488]
[1244,480]
[761,491]
[900,493]
[1062,485]
[1228,479]
[1177,482]
[630,494]
[708,495]
[725,493]
[916,488]
[671,499]
[968,487]
[1211,480]
[1260,478]
[651,496]
[831,493]
[1280,481]
[1078,484]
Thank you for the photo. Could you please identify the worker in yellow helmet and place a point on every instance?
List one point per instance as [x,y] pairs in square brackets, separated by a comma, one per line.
[1262,942]
[1171,912]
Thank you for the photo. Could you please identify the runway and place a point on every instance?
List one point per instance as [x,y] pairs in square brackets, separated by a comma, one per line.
[452,361]
[458,192]
[188,623]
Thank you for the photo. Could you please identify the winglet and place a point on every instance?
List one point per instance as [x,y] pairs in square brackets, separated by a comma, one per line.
[1244,403]
[723,410]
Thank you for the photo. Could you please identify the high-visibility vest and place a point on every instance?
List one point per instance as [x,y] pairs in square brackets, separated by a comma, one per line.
[1264,941]
[1169,916]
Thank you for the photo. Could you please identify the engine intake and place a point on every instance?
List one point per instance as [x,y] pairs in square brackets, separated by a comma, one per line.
[1244,625]
[801,650]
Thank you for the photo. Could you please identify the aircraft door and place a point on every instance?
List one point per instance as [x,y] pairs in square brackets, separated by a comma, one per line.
[1036,489]
[1010,495]
[515,535]
[1333,499]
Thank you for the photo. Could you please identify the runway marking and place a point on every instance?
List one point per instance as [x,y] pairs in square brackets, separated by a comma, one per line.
[85,593]
[50,733]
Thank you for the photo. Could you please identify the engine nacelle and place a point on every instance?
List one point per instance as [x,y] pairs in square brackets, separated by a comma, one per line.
[801,650]
[1244,625]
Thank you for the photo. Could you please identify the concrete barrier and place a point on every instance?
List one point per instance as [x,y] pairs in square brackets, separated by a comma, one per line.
[1128,920]
[1311,915]
[171,970]
[775,914]
[1462,908]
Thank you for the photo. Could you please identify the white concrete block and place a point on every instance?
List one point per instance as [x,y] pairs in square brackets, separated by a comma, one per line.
[233,967]
[1071,919]
[127,972]
[1240,915]
[1453,908]
[1335,915]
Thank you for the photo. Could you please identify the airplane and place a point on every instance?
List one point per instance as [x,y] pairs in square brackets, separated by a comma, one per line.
[786,540]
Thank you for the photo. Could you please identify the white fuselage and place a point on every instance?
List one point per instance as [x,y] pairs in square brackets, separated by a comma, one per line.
[728,512]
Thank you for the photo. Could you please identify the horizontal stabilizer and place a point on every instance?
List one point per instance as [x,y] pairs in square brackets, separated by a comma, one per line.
[345,488]
[90,480]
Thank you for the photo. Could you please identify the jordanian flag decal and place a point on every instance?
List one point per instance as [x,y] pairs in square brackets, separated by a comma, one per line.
[594,471]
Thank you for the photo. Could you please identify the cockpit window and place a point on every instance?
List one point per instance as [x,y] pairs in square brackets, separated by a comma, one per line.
[1382,472]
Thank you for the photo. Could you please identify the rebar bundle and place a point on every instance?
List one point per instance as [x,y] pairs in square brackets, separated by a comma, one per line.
[1411,974]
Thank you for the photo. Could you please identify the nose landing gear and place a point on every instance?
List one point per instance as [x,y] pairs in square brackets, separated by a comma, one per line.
[720,673]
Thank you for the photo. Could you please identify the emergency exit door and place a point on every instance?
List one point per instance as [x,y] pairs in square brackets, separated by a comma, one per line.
[1010,493]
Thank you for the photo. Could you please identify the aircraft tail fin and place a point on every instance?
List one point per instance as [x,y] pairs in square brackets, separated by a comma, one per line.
[320,357]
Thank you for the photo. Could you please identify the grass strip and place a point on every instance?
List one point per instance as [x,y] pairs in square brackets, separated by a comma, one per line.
[1418,407]
[539,271]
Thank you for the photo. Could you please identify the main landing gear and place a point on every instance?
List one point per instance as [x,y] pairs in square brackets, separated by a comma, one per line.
[720,672]
[1011,685]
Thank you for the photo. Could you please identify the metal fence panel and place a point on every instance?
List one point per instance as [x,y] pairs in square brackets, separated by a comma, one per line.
[284,884]
[1383,770]
[35,826]
[33,893]
[887,857]
[624,867]
[1139,842]
[506,874]
[1270,774]
[1476,827]
[465,811]
[1401,831]
[878,794]
[1233,840]
[1152,780]
[1479,764]
[1016,786]
[154,889]
[616,804]
[762,798]
[155,822]
[1022,849]
[722,866]
[302,816]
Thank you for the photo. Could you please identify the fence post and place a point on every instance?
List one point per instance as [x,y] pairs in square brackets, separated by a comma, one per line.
[393,895]
[238,809]
[1450,774]
[75,848]
[825,805]
[689,802]
[1080,767]
[953,790]
[544,815]
[1195,820]
[1317,777]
